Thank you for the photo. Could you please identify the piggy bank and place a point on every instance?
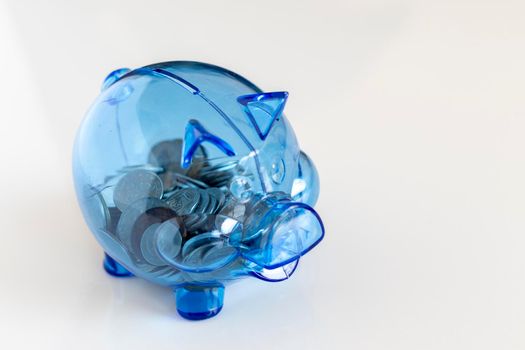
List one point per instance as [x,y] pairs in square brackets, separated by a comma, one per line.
[190,176]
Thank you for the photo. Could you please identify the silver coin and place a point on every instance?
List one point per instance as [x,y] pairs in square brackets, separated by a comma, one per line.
[136,185]
[199,240]
[198,161]
[112,244]
[234,209]
[184,201]
[224,199]
[219,174]
[218,180]
[168,154]
[212,203]
[128,168]
[219,166]
[169,239]
[219,197]
[211,256]
[198,223]
[169,183]
[148,246]
[195,257]
[191,219]
[204,201]
[175,181]
[97,211]
[114,217]
[134,222]
[194,243]
[260,215]
[187,181]
[221,254]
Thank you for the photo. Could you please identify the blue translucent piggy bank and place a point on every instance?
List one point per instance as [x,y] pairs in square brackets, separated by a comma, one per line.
[190,176]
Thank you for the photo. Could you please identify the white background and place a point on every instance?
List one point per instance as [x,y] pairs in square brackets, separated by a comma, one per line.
[413,112]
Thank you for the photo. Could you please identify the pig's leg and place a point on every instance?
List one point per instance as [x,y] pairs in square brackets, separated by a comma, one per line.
[199,301]
[114,268]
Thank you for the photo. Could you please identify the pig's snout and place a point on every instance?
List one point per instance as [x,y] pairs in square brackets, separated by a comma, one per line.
[292,229]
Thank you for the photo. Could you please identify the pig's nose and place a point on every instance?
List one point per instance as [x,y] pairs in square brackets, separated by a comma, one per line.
[294,229]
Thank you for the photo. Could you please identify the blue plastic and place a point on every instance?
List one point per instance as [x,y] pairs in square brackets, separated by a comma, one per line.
[114,268]
[199,301]
[190,176]
[197,134]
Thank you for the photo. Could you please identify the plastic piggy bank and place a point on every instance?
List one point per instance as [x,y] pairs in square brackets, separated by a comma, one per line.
[190,176]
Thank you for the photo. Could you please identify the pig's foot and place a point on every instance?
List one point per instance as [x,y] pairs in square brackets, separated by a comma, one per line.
[114,268]
[199,301]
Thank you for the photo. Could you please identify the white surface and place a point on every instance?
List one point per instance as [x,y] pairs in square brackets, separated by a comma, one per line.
[413,112]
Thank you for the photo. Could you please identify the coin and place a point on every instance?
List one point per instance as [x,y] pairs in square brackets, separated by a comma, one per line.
[234,209]
[176,260]
[148,246]
[212,203]
[204,201]
[219,255]
[174,182]
[197,223]
[210,256]
[113,245]
[114,217]
[168,239]
[184,201]
[135,185]
[193,259]
[219,197]
[99,210]
[168,182]
[190,219]
[167,154]
[95,208]
[199,240]
[218,174]
[136,219]
[187,181]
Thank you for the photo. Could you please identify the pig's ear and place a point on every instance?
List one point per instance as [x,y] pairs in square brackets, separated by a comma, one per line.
[113,77]
[263,109]
[195,135]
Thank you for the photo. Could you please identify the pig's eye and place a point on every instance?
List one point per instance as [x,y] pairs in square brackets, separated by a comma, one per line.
[263,109]
[196,134]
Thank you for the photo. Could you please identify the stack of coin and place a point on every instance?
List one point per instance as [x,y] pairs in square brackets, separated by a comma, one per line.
[154,227]
[218,174]
[167,217]
[135,185]
[196,201]
[137,223]
[204,252]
